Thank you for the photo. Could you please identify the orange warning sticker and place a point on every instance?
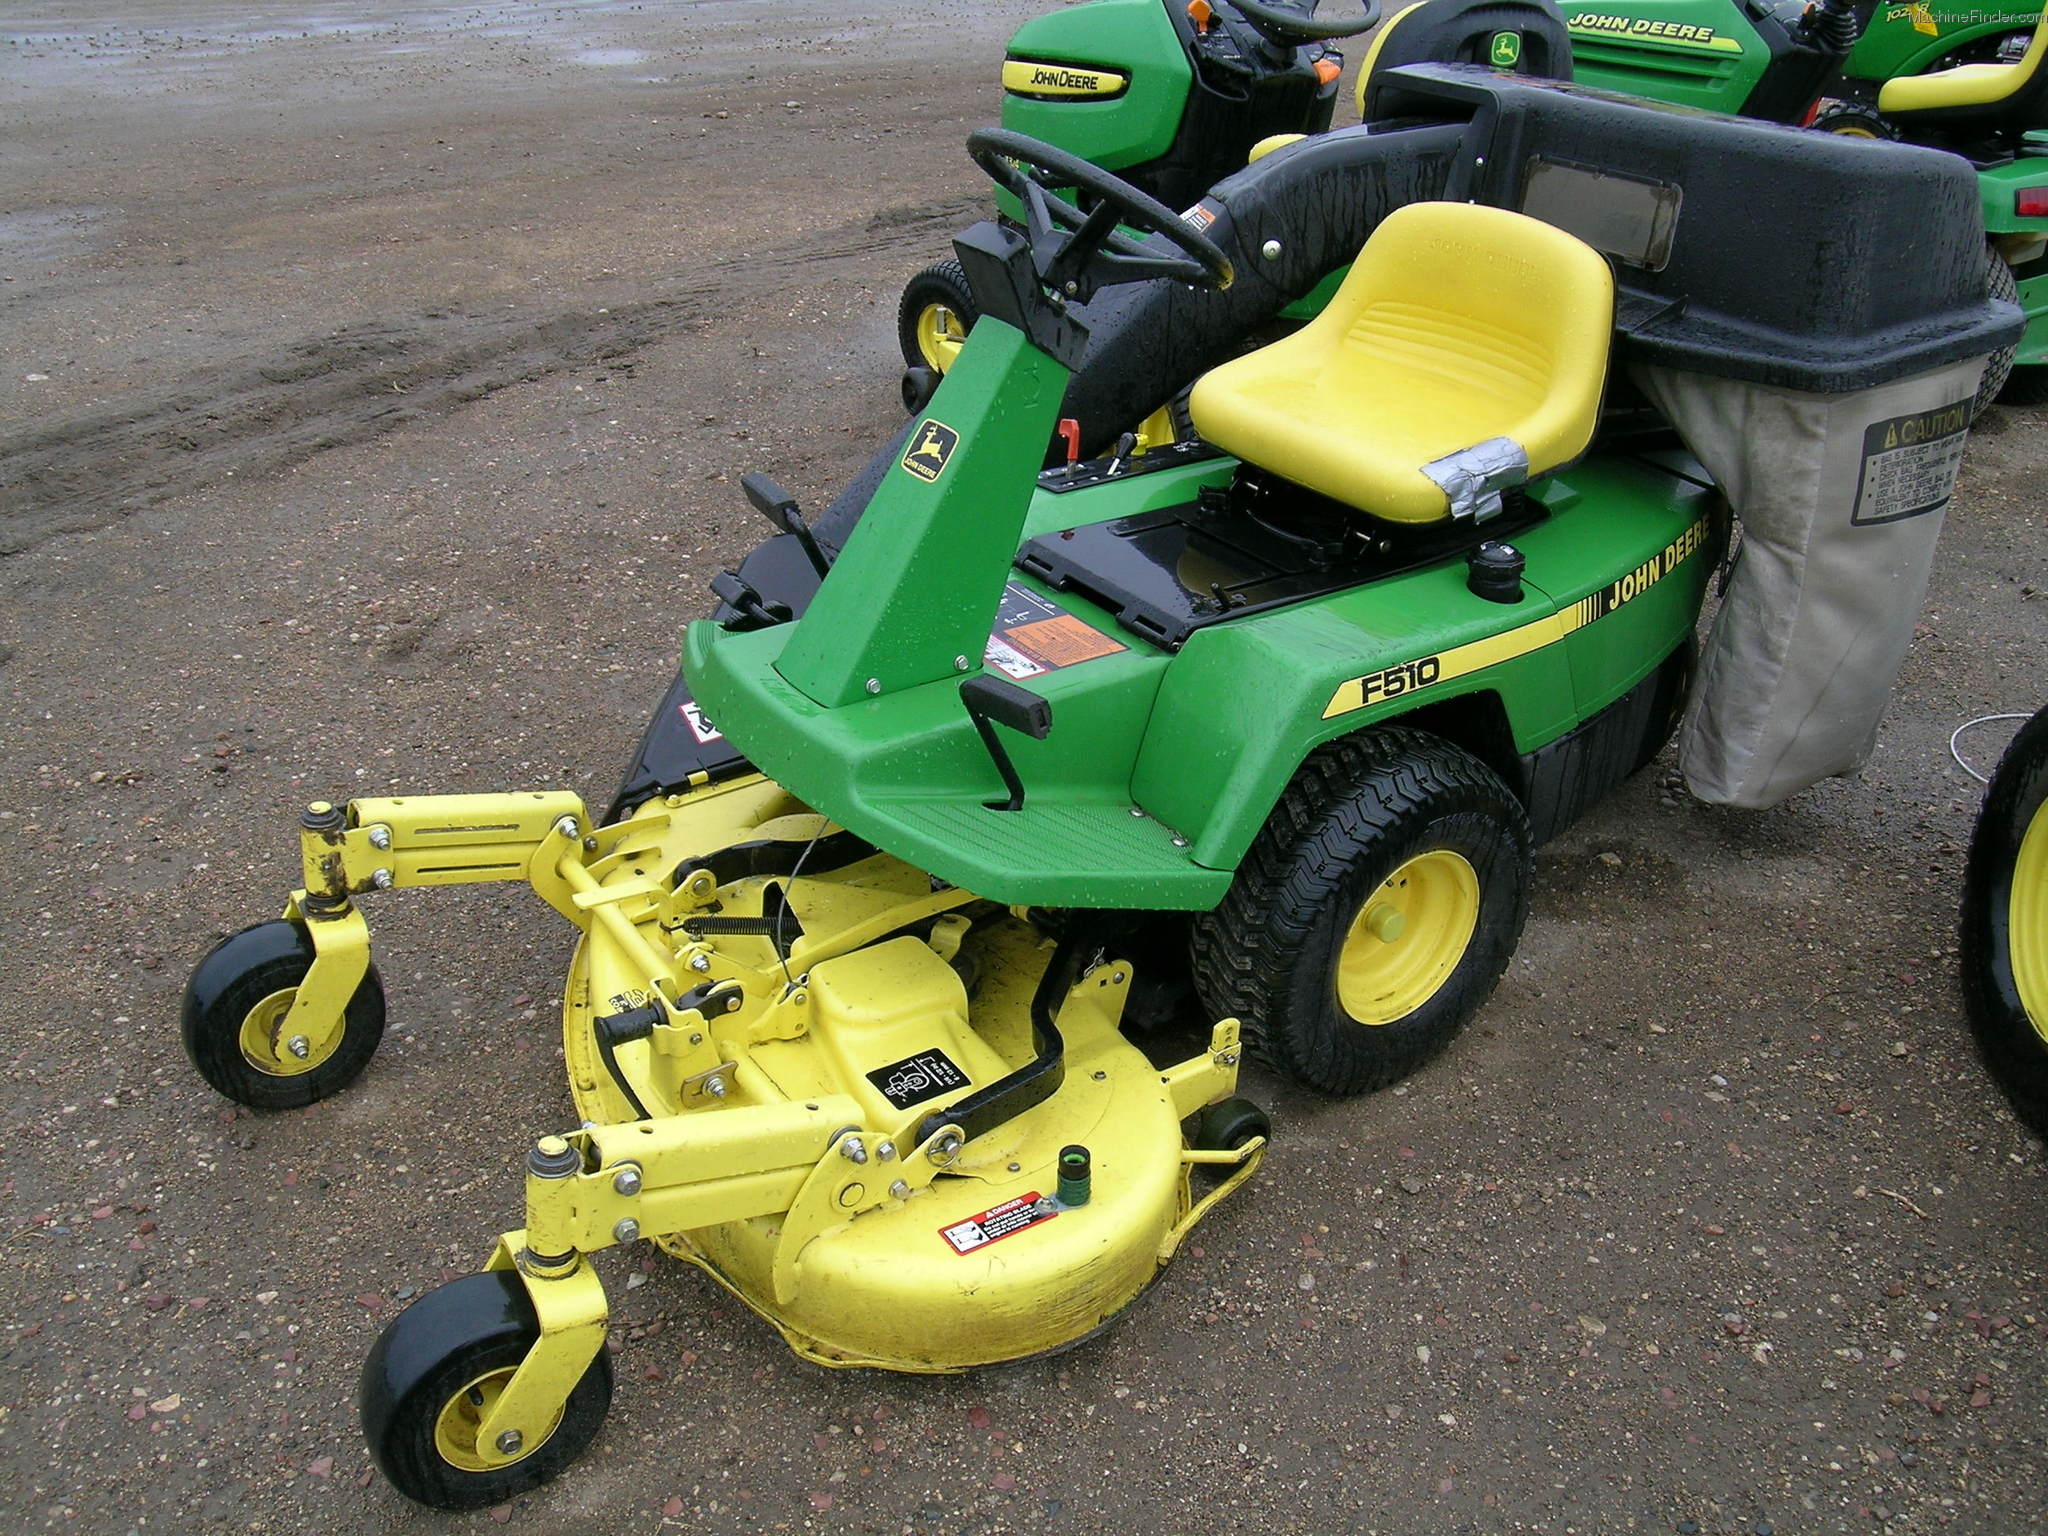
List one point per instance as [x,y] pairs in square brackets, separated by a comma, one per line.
[1061,641]
[1033,636]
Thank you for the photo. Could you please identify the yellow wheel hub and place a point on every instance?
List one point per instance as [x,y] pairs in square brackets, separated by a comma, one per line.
[940,335]
[1408,937]
[2027,922]
[266,1047]
[463,1415]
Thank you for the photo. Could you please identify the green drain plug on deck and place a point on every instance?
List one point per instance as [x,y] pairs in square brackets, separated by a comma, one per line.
[1075,1172]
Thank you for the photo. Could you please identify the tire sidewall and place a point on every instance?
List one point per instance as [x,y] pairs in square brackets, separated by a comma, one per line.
[2011,1042]
[240,972]
[1471,831]
[467,1328]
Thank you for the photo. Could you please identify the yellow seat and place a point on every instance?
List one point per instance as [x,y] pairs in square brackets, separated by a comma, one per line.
[1976,92]
[1466,351]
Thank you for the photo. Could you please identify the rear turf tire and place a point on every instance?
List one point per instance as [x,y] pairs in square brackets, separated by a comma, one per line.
[1374,913]
[2005,926]
[1999,372]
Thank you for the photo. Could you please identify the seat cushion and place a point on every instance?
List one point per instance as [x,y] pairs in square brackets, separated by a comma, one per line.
[1457,325]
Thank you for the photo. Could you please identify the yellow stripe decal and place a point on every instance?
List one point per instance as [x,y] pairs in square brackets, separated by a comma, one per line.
[1025,78]
[1405,677]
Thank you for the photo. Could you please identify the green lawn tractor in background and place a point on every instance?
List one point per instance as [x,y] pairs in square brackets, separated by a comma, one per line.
[1170,94]
[1243,744]
[1142,88]
[1971,81]
[2005,925]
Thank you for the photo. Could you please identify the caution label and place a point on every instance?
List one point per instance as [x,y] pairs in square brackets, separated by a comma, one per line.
[1033,636]
[917,1078]
[701,728]
[992,1226]
[1909,463]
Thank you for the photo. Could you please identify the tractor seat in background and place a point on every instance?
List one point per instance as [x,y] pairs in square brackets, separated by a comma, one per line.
[1465,353]
[1996,98]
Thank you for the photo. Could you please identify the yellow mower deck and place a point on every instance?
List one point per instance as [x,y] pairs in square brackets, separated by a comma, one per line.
[776,1038]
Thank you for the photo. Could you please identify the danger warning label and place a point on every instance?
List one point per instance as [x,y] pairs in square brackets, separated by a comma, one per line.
[1909,463]
[1006,1220]
[1033,636]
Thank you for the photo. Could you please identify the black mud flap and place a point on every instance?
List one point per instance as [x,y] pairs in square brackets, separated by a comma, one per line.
[679,743]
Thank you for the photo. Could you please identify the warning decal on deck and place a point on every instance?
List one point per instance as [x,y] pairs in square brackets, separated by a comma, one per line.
[917,1078]
[1034,636]
[1909,463]
[1006,1220]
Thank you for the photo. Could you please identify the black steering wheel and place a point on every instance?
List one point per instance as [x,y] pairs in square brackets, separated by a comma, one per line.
[1289,26]
[1076,250]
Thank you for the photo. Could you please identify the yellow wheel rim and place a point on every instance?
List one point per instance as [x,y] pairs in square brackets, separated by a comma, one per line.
[1408,937]
[263,1041]
[940,335]
[456,1425]
[1852,133]
[2027,922]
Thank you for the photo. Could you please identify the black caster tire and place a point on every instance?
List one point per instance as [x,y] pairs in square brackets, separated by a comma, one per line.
[432,1374]
[2005,926]
[1374,913]
[1228,1125]
[934,316]
[234,1011]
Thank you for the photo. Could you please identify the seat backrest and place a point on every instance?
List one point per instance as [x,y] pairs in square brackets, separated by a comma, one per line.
[1466,349]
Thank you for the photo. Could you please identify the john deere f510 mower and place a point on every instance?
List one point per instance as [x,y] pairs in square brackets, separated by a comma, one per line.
[1256,732]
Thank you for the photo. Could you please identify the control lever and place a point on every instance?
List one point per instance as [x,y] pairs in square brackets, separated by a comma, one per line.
[780,508]
[997,699]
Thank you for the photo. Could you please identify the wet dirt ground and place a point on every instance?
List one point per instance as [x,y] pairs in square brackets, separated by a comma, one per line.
[376,385]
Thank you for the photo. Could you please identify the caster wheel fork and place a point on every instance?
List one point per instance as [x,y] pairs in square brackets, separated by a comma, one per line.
[436,1381]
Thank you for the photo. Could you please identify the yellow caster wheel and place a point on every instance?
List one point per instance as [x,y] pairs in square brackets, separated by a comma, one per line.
[2005,925]
[234,1022]
[432,1377]
[936,312]
[1373,915]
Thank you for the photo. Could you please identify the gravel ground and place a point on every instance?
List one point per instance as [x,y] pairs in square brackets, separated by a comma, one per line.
[376,384]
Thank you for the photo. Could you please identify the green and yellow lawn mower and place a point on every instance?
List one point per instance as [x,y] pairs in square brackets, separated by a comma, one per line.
[1247,740]
[2005,925]
[1170,94]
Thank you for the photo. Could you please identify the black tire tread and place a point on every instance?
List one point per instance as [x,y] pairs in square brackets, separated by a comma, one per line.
[942,282]
[240,972]
[457,1331]
[2012,1048]
[1246,950]
[1999,371]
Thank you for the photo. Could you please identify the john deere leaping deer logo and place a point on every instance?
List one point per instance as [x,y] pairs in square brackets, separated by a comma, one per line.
[1505,50]
[930,447]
